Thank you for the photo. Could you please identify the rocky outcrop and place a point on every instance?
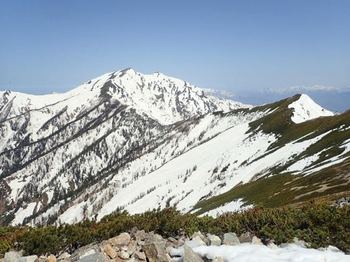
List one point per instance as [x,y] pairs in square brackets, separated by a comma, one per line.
[139,245]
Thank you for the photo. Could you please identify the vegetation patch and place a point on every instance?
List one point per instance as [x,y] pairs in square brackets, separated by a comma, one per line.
[318,224]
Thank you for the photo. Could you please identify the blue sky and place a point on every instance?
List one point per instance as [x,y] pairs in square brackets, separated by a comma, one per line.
[259,50]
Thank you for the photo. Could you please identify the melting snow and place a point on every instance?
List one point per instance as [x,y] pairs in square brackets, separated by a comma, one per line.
[262,253]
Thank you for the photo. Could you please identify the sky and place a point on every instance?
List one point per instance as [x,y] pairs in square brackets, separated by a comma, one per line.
[257,50]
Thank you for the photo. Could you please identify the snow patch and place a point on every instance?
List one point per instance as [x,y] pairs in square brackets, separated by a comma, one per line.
[306,109]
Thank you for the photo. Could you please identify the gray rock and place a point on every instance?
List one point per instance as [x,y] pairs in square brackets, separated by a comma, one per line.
[109,250]
[89,253]
[214,240]
[272,245]
[230,239]
[201,236]
[256,241]
[12,256]
[190,255]
[43,259]
[64,257]
[123,254]
[246,237]
[299,242]
[199,241]
[121,240]
[140,255]
[140,235]
[28,259]
[93,257]
[154,249]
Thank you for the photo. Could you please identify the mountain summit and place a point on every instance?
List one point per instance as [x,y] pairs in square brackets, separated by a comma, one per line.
[163,98]
[134,142]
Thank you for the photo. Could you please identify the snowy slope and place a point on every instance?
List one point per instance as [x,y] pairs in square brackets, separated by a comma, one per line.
[128,141]
[305,109]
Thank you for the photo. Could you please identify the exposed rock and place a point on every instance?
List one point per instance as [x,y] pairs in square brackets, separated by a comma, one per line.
[140,235]
[28,259]
[95,257]
[132,247]
[272,245]
[12,256]
[199,241]
[43,259]
[256,241]
[190,255]
[140,255]
[201,236]
[123,254]
[231,239]
[110,252]
[51,258]
[246,237]
[218,259]
[15,256]
[121,240]
[89,253]
[214,240]
[299,242]
[154,249]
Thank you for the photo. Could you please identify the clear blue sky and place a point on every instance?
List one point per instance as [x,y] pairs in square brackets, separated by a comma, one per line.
[245,46]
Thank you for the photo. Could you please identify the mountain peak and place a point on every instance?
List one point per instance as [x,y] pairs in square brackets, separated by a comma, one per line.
[305,108]
[160,97]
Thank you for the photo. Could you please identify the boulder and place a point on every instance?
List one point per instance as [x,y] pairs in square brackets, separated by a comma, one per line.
[123,254]
[93,257]
[191,256]
[132,247]
[109,250]
[214,240]
[246,237]
[51,258]
[140,235]
[42,259]
[201,236]
[230,239]
[154,249]
[64,257]
[199,241]
[12,256]
[256,241]
[28,259]
[140,255]
[121,240]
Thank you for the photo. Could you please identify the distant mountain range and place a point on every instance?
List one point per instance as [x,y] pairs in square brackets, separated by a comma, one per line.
[135,142]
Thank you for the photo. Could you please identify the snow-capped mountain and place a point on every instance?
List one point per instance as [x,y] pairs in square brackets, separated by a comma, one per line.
[128,141]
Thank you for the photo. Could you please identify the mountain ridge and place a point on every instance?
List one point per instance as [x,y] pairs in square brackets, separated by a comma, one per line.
[68,161]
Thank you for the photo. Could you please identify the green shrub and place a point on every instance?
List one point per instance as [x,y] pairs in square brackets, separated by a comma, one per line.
[320,225]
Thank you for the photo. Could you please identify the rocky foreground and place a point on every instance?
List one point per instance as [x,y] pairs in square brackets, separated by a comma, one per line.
[141,246]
